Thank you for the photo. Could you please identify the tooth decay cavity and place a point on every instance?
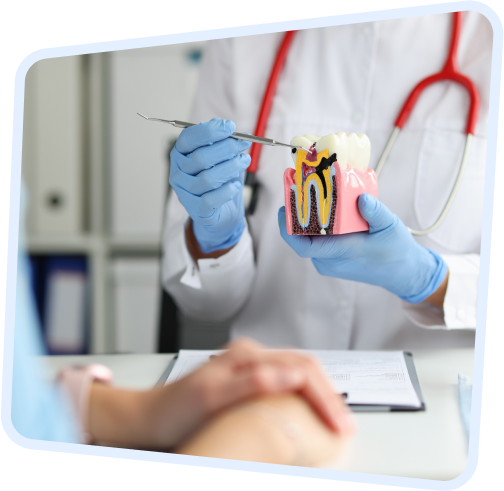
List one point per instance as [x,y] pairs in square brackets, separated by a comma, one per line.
[321,193]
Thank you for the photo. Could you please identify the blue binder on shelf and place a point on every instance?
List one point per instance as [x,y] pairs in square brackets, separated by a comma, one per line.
[61,291]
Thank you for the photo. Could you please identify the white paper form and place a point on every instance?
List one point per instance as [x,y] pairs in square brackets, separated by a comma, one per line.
[370,377]
[367,377]
[188,361]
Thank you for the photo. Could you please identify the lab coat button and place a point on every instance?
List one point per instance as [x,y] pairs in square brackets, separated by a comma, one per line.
[343,303]
[357,116]
[216,265]
[366,29]
[461,314]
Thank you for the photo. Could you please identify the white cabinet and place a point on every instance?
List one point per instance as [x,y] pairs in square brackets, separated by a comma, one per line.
[136,295]
[53,153]
[97,176]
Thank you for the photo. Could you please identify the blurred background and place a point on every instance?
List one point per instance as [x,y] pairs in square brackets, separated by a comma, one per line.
[97,183]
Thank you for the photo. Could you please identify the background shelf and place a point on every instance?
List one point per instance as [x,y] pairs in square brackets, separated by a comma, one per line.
[97,177]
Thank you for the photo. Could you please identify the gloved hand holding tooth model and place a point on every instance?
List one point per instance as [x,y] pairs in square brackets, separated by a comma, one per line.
[335,274]
[327,195]
[207,172]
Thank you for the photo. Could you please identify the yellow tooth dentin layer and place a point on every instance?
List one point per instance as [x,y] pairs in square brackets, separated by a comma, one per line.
[302,188]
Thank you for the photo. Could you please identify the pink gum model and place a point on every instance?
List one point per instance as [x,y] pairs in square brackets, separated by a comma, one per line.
[350,184]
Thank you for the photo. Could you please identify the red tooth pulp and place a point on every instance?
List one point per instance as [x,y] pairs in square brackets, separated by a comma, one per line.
[307,170]
[311,156]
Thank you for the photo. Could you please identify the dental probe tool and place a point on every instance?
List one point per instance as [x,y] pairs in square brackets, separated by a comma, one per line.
[238,136]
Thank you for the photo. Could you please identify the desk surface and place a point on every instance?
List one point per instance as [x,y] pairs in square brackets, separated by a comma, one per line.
[429,445]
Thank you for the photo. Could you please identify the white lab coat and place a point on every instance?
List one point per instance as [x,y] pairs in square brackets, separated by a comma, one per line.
[351,78]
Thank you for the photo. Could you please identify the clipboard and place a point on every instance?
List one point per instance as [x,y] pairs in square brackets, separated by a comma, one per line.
[164,377]
[362,408]
[356,408]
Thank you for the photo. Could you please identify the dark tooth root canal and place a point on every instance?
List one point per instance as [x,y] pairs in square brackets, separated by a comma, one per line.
[324,164]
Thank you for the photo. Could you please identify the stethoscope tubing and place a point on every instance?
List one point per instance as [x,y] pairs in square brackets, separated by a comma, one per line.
[251,190]
[453,192]
[450,72]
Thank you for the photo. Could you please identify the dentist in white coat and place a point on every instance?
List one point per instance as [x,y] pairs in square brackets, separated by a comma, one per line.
[217,265]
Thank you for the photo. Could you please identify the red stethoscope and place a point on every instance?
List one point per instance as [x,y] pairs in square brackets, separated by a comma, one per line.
[450,72]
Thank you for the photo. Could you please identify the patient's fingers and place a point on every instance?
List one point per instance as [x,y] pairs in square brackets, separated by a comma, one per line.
[318,391]
[241,352]
[220,386]
[263,379]
[330,406]
[260,371]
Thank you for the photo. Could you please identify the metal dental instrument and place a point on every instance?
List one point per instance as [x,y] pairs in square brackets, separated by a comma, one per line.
[238,136]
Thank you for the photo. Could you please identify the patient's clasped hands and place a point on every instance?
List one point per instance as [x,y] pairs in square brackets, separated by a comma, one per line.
[165,417]
[247,371]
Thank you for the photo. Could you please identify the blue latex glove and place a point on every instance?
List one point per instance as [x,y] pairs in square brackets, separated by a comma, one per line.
[386,256]
[207,172]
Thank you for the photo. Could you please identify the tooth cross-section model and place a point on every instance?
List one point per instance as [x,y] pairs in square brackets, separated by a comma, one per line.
[321,192]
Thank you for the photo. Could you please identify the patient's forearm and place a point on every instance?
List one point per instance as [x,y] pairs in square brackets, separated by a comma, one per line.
[274,429]
[120,417]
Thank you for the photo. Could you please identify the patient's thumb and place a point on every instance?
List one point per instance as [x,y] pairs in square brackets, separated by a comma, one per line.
[378,216]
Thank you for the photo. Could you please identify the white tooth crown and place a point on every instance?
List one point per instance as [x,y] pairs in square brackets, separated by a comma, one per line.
[350,149]
[359,150]
[311,137]
[335,143]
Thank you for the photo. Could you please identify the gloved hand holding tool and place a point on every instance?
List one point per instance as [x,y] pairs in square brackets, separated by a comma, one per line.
[386,256]
[207,173]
